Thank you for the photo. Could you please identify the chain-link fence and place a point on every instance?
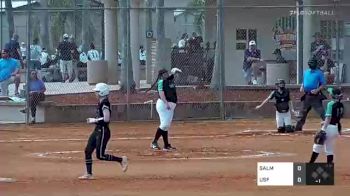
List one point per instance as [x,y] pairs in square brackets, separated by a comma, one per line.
[228,51]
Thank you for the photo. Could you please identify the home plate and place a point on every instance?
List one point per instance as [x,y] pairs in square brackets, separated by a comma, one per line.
[7,180]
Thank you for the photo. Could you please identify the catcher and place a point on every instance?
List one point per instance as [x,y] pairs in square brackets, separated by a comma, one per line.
[283,106]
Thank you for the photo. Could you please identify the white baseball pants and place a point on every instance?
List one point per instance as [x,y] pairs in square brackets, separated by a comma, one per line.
[165,115]
[283,119]
[331,136]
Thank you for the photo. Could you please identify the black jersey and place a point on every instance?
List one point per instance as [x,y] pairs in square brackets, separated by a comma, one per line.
[281,100]
[335,110]
[104,104]
[168,86]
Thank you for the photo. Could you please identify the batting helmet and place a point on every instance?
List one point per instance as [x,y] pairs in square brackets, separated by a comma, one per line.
[102,89]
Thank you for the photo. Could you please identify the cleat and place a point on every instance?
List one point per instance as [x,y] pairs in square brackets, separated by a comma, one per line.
[124,163]
[155,146]
[169,148]
[298,129]
[86,177]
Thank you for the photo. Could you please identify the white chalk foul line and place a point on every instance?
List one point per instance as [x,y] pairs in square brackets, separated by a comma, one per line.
[254,131]
[259,154]
[271,130]
[7,180]
[275,130]
[122,138]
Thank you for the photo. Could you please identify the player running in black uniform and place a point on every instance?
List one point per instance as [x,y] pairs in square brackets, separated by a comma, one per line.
[165,106]
[100,136]
[283,106]
[331,127]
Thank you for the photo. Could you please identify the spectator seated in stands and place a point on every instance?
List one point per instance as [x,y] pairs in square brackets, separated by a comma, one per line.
[9,73]
[93,54]
[82,63]
[195,43]
[183,41]
[83,58]
[44,58]
[252,63]
[36,94]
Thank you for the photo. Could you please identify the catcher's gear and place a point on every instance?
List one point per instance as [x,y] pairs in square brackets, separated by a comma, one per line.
[320,137]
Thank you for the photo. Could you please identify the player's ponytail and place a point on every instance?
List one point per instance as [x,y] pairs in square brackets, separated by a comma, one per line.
[160,73]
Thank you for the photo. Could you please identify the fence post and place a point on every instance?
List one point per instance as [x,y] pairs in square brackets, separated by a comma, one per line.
[127,60]
[337,37]
[29,7]
[337,59]
[1,22]
[299,8]
[148,19]
[221,56]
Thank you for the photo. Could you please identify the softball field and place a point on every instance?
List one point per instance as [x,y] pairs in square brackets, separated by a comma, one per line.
[212,158]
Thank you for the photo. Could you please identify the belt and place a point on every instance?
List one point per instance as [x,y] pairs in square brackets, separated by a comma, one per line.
[311,94]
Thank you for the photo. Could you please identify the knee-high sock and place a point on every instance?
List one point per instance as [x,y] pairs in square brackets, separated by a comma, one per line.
[329,159]
[165,138]
[158,134]
[313,157]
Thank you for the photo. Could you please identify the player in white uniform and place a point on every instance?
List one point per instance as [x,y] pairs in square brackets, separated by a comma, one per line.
[165,106]
[331,128]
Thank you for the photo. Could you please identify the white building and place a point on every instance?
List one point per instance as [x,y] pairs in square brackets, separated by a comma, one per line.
[255,19]
[262,20]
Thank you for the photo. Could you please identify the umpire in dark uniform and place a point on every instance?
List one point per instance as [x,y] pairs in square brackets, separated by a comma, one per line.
[312,87]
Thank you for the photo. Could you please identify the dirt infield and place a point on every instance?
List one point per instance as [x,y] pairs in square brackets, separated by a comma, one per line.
[213,158]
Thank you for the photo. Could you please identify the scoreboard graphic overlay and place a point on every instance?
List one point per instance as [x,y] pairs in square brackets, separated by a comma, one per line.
[294,174]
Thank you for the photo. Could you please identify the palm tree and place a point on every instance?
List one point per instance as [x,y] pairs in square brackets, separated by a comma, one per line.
[218,80]
[161,49]
[59,19]
[87,26]
[198,14]
[148,18]
[127,80]
[44,24]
